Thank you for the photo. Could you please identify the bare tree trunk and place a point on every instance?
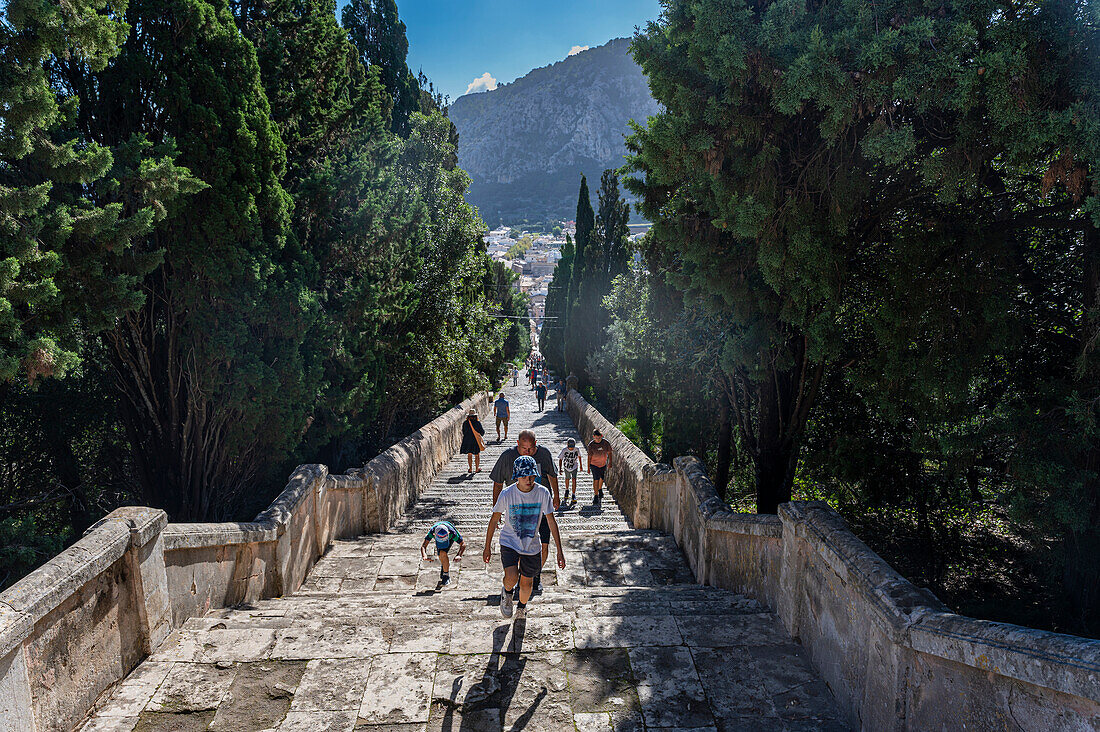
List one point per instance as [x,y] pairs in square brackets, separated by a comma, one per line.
[183,459]
[771,412]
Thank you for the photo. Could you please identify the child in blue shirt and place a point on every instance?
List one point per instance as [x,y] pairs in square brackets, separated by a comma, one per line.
[445,535]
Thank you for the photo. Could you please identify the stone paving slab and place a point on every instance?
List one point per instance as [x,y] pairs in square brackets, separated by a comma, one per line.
[620,640]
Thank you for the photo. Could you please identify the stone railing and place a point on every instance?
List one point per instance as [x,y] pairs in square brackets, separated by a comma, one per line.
[894,656]
[632,474]
[87,617]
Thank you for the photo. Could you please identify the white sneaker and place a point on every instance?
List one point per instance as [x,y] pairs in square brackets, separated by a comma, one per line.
[505,603]
[521,613]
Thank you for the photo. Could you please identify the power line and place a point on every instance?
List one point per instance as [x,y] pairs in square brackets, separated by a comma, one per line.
[523,317]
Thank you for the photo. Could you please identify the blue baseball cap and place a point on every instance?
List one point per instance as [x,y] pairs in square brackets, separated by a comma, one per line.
[524,466]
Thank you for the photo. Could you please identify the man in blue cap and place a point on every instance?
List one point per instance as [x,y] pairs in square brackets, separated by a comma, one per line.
[522,507]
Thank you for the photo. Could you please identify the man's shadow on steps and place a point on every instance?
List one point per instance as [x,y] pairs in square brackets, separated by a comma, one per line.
[485,703]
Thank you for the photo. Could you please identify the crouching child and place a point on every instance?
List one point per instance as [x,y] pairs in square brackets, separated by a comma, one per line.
[519,509]
[445,535]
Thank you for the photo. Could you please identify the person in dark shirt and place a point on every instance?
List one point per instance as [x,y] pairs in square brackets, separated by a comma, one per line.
[472,444]
[540,394]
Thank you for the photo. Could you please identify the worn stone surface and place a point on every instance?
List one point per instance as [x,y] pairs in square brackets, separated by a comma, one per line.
[193,687]
[259,697]
[622,639]
[15,694]
[399,689]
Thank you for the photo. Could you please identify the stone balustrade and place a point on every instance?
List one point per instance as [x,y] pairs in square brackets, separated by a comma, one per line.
[86,618]
[894,656]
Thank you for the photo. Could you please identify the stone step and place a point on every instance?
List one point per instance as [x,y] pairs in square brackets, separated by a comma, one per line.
[622,638]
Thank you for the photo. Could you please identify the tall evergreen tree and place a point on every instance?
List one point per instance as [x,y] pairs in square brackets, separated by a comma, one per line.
[871,188]
[64,222]
[605,255]
[574,354]
[210,368]
[377,31]
[611,229]
[551,340]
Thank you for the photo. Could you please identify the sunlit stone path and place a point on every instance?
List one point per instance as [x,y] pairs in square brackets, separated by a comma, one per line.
[622,639]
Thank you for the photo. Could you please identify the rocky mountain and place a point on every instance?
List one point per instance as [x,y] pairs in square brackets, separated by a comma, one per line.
[525,144]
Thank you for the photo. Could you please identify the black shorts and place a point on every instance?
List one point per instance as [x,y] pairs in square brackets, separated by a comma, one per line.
[544,531]
[529,564]
[597,471]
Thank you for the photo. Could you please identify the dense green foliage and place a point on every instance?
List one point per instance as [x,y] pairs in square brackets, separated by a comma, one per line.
[69,208]
[875,252]
[517,250]
[552,336]
[572,348]
[584,276]
[233,238]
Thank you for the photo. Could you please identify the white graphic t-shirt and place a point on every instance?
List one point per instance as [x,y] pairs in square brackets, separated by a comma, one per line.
[569,459]
[520,515]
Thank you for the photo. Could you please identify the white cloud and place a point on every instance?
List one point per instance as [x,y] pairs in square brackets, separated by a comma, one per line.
[577,49]
[485,82]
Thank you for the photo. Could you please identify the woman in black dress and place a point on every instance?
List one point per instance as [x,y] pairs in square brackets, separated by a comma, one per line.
[472,444]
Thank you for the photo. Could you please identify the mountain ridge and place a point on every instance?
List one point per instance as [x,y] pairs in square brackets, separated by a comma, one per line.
[525,144]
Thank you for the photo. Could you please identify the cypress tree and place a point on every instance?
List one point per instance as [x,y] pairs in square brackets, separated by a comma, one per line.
[574,349]
[605,256]
[210,368]
[377,31]
[551,342]
[612,217]
[843,185]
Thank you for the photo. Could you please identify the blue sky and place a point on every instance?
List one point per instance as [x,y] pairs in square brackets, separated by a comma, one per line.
[458,41]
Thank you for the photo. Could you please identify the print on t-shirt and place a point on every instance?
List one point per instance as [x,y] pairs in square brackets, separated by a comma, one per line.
[524,518]
[521,512]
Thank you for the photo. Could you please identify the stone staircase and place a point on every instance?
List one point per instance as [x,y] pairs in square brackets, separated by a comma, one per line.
[621,639]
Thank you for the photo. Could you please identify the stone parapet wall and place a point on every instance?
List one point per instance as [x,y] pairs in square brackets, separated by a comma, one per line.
[86,618]
[626,478]
[894,656]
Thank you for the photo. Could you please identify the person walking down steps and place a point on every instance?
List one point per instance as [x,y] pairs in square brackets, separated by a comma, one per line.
[472,444]
[540,394]
[445,535]
[521,506]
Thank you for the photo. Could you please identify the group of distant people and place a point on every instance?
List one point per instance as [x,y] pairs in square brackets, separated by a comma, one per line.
[538,376]
[525,497]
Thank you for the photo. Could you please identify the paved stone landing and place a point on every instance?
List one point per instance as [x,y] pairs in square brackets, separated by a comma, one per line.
[622,639]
